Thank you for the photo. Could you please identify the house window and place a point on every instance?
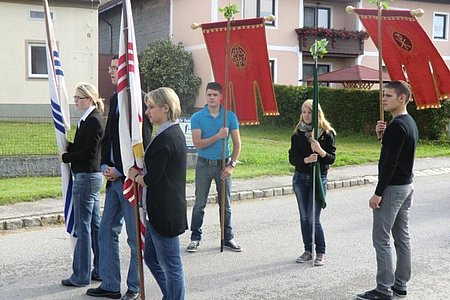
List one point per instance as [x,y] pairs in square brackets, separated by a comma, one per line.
[440,24]
[260,8]
[37,60]
[308,70]
[38,15]
[266,8]
[317,17]
[272,67]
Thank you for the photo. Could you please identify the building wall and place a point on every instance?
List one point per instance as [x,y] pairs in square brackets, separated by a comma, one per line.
[282,39]
[151,22]
[76,34]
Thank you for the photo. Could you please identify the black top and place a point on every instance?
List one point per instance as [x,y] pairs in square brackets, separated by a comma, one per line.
[399,143]
[165,160]
[301,148]
[111,138]
[84,152]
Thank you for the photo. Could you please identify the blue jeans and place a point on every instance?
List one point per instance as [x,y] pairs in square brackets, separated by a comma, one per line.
[162,257]
[204,174]
[85,197]
[116,209]
[393,216]
[302,186]
[95,227]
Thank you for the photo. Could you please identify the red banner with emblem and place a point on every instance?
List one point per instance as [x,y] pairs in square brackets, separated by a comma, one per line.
[409,55]
[249,70]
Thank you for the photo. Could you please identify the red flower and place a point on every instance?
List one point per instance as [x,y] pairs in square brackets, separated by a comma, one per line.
[333,33]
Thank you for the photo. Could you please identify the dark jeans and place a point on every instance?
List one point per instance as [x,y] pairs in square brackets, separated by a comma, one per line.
[303,189]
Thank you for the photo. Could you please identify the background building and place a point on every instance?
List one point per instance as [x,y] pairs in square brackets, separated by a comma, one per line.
[289,56]
[25,91]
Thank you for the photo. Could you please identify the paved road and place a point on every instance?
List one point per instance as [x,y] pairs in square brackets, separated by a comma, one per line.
[33,262]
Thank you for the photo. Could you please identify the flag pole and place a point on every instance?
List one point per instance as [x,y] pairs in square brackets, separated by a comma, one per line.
[380,60]
[135,188]
[314,137]
[224,146]
[47,26]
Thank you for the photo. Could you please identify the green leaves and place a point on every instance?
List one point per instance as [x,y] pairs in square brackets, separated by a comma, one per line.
[229,11]
[320,50]
[383,3]
[166,64]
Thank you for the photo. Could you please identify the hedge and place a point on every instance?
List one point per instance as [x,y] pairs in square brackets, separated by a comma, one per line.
[352,111]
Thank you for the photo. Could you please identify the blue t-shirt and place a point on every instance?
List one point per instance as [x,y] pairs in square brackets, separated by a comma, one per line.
[210,126]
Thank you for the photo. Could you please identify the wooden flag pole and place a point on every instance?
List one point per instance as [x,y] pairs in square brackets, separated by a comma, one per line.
[380,60]
[135,188]
[138,240]
[224,145]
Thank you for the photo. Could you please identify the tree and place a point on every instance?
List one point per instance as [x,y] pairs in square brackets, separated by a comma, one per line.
[166,64]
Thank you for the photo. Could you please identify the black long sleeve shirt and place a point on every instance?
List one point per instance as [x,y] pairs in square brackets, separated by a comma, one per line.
[399,143]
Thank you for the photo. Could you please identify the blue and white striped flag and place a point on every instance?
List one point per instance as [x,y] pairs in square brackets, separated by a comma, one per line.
[61,119]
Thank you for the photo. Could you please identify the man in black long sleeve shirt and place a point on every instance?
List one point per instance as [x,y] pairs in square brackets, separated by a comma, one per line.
[393,195]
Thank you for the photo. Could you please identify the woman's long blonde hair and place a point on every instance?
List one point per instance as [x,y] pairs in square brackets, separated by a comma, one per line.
[323,123]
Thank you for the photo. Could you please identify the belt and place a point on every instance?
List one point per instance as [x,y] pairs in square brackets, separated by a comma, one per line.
[212,162]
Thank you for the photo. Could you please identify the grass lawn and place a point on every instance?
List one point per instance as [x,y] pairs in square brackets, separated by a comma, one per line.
[264,152]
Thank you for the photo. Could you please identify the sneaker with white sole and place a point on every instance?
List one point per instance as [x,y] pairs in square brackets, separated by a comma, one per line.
[320,260]
[398,292]
[305,257]
[193,245]
[233,246]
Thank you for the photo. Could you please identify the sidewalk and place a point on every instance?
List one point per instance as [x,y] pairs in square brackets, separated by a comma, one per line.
[50,211]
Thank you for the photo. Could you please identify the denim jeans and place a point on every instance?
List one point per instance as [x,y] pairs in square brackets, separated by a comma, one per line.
[393,216]
[85,197]
[303,189]
[162,257]
[95,227]
[116,209]
[204,174]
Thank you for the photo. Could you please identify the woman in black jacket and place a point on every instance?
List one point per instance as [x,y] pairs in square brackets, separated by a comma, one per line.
[165,181]
[303,153]
[84,157]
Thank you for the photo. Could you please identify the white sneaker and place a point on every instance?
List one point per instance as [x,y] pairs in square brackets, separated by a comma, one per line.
[320,260]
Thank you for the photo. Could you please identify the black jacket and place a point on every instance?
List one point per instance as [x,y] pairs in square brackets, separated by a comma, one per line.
[301,148]
[111,138]
[165,160]
[84,152]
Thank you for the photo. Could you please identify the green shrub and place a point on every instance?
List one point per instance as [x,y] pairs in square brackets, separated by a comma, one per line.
[353,111]
[166,64]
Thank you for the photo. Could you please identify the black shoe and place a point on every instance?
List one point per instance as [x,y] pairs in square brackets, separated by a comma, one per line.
[373,295]
[130,295]
[95,278]
[399,293]
[99,292]
[231,244]
[67,282]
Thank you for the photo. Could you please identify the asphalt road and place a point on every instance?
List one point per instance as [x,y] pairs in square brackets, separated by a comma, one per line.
[33,262]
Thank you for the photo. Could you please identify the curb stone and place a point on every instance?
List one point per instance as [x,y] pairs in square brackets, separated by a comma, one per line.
[58,218]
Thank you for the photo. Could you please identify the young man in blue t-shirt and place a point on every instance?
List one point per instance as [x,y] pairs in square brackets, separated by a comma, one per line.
[208,135]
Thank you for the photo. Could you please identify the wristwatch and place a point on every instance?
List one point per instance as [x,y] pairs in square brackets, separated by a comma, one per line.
[232,163]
